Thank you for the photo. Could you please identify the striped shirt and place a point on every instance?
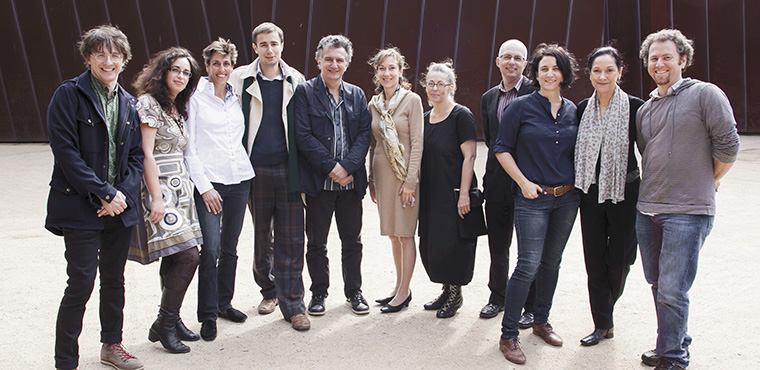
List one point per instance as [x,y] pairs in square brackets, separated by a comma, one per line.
[340,141]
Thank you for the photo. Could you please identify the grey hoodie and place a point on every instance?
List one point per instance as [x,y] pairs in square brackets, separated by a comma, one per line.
[678,135]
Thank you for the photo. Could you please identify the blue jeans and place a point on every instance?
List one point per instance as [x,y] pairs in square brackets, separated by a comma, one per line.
[670,245]
[216,281]
[543,226]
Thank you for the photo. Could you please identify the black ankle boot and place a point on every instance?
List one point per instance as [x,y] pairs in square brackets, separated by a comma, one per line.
[453,302]
[438,302]
[164,329]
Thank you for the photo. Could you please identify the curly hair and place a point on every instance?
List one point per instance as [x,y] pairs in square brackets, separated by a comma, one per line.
[683,45]
[379,57]
[335,41]
[222,47]
[565,61]
[152,79]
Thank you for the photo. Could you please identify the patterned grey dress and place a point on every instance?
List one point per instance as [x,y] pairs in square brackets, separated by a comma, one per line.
[179,229]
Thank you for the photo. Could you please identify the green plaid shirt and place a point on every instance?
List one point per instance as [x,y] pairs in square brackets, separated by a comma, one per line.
[110,101]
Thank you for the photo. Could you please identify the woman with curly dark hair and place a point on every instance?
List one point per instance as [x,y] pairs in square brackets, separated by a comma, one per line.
[170,221]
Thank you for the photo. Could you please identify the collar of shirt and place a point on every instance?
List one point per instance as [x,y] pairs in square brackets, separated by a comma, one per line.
[279,77]
[205,86]
[516,88]
[656,92]
[102,89]
[329,95]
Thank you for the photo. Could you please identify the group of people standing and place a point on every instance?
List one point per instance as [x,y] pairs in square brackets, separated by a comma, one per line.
[168,176]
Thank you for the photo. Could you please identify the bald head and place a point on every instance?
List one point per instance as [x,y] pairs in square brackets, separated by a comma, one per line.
[515,45]
[511,62]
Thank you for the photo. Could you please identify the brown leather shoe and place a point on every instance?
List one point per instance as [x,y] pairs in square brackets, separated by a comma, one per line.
[511,350]
[267,306]
[546,331]
[300,322]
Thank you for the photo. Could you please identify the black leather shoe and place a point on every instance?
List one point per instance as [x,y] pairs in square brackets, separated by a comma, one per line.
[232,315]
[664,364]
[453,303]
[651,358]
[317,304]
[388,308]
[526,320]
[186,334]
[438,302]
[491,310]
[384,301]
[208,330]
[358,303]
[594,338]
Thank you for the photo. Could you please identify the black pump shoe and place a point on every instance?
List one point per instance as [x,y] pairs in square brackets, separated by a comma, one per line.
[388,308]
[384,301]
[594,338]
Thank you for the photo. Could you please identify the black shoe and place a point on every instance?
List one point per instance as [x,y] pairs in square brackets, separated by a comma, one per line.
[208,330]
[491,310]
[526,320]
[388,308]
[164,329]
[358,304]
[438,302]
[233,315]
[594,338]
[384,301]
[664,364]
[317,304]
[453,302]
[651,358]
[184,333]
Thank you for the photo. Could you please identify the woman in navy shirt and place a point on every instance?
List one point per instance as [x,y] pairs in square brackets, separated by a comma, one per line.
[535,146]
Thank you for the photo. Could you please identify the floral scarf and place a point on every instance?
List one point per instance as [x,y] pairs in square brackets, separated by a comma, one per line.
[394,149]
[608,135]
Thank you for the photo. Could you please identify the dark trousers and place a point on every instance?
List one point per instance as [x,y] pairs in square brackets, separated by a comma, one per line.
[609,249]
[278,228]
[88,251]
[500,220]
[347,207]
[218,256]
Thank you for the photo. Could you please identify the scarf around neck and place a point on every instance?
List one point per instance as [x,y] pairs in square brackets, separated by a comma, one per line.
[607,135]
[394,149]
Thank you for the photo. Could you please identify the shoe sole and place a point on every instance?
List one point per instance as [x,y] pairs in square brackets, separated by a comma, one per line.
[355,311]
[312,313]
[109,363]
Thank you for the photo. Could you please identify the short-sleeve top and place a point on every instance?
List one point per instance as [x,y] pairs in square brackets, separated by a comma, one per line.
[170,137]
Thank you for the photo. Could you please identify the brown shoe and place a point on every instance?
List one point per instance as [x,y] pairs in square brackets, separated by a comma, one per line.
[267,306]
[546,331]
[300,322]
[511,350]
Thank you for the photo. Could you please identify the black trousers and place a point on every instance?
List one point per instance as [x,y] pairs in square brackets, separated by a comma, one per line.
[347,207]
[500,219]
[609,249]
[87,252]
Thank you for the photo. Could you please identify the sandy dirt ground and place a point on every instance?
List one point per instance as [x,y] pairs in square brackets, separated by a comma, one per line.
[724,297]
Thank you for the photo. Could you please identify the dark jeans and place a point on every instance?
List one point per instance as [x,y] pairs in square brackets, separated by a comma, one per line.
[88,251]
[543,226]
[347,207]
[218,255]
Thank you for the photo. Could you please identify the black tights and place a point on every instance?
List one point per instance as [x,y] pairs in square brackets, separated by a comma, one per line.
[177,270]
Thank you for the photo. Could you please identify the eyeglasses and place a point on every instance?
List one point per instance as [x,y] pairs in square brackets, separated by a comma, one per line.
[440,85]
[115,57]
[177,71]
[516,58]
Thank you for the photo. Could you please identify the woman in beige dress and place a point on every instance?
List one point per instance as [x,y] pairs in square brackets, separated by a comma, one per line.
[395,154]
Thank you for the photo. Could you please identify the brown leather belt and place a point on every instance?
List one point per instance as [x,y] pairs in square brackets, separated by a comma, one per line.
[557,191]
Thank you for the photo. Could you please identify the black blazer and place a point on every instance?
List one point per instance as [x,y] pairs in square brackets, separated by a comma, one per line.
[79,140]
[314,135]
[497,184]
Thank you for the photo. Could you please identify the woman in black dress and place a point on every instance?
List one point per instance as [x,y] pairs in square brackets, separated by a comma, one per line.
[448,158]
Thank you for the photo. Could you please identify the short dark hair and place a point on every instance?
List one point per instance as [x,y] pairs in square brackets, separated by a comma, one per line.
[565,61]
[152,79]
[95,39]
[605,50]
[335,41]
[683,45]
[222,47]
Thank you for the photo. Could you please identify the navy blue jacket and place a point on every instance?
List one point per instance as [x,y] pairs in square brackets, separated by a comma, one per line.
[314,134]
[79,140]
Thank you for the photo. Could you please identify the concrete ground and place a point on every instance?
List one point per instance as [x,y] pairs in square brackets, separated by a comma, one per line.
[724,298]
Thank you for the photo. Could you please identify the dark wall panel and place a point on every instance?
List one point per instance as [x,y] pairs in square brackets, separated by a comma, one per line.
[586,32]
[401,29]
[624,28]
[691,19]
[751,74]
[439,30]
[365,28]
[726,23]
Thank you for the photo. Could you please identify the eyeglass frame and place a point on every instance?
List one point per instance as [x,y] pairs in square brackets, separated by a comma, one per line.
[177,70]
[439,85]
[102,57]
[516,58]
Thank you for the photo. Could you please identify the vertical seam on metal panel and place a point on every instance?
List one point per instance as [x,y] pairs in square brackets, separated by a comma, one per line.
[108,11]
[348,12]
[142,28]
[274,9]
[28,70]
[707,37]
[8,106]
[744,49]
[569,22]
[532,20]
[205,20]
[385,19]
[419,45]
[52,41]
[672,21]
[638,30]
[308,40]
[456,38]
[174,22]
[605,24]
[76,15]
[493,44]
[242,33]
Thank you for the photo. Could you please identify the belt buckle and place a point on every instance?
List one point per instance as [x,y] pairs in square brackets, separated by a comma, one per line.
[555,191]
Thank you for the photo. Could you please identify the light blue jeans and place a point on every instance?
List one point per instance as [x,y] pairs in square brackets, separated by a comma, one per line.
[670,245]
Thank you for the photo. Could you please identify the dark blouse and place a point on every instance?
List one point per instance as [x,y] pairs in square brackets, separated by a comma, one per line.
[542,146]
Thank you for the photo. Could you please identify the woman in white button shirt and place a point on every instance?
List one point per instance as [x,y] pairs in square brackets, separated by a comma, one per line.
[221,171]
